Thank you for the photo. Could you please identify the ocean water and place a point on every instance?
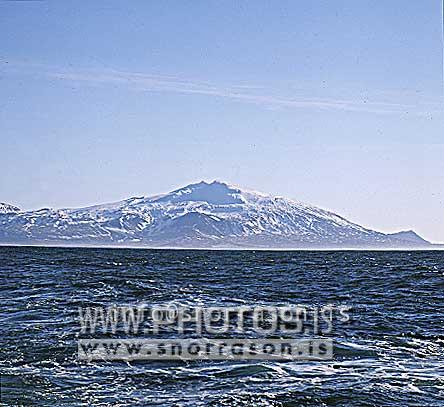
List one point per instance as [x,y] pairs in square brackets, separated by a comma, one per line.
[390,354]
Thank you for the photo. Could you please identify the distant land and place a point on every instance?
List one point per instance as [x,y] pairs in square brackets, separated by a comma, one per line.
[201,215]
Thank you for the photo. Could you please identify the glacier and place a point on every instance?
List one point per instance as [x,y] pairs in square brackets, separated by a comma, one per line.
[200,215]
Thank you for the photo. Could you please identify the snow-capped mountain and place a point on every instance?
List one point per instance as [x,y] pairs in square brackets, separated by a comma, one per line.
[199,215]
[6,208]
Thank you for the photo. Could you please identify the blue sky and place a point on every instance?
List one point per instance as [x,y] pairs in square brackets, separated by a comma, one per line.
[339,104]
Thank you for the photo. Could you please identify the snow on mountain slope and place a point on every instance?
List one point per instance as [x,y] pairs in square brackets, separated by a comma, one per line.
[199,215]
[7,208]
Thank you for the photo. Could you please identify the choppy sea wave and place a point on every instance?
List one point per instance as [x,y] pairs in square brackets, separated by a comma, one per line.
[392,352]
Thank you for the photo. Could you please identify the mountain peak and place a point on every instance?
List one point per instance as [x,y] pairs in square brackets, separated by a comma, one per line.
[216,193]
[409,236]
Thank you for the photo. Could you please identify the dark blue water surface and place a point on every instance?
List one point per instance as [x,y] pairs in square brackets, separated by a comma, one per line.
[391,354]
